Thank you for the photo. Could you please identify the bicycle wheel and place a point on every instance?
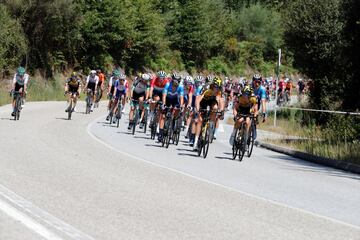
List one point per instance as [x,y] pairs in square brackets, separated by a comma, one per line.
[212,131]
[87,110]
[18,107]
[145,120]
[251,139]
[70,109]
[135,120]
[206,142]
[153,126]
[242,142]
[168,137]
[235,148]
[199,145]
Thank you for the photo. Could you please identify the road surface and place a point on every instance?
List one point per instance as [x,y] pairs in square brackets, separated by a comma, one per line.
[84,179]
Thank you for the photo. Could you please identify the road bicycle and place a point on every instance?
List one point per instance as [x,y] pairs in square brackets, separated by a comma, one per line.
[89,101]
[18,102]
[239,146]
[204,137]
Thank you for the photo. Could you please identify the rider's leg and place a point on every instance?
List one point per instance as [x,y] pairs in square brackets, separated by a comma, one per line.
[236,127]
[197,131]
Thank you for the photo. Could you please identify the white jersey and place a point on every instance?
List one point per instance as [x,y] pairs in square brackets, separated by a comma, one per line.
[21,81]
[91,79]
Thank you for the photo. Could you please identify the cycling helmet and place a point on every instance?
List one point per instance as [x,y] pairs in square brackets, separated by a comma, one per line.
[199,79]
[176,76]
[122,77]
[74,74]
[248,91]
[257,77]
[116,73]
[226,80]
[161,74]
[92,72]
[189,80]
[21,71]
[217,82]
[146,77]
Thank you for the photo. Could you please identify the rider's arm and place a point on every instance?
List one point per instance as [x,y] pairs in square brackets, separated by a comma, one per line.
[87,81]
[66,87]
[190,96]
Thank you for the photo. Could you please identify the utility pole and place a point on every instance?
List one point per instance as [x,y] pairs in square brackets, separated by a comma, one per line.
[277,86]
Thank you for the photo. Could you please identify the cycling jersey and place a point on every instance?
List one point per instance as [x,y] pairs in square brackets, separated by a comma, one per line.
[158,85]
[73,84]
[260,94]
[140,87]
[21,81]
[173,96]
[92,82]
[101,78]
[121,88]
[236,88]
[210,93]
[228,87]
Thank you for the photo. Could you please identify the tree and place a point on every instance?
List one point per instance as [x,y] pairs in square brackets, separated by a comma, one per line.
[314,34]
[13,45]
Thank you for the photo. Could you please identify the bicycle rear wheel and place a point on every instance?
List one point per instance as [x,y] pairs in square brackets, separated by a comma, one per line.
[145,119]
[212,131]
[235,149]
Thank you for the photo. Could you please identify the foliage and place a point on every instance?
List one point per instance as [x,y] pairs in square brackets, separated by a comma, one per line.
[12,40]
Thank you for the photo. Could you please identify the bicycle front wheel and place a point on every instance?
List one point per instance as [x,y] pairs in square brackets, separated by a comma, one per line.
[251,140]
[206,142]
[135,120]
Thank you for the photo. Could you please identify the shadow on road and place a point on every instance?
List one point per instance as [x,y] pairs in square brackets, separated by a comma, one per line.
[304,166]
[187,154]
[7,119]
[227,158]
[61,118]
[153,145]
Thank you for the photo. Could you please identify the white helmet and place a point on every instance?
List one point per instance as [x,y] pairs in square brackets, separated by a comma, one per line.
[189,80]
[92,72]
[146,77]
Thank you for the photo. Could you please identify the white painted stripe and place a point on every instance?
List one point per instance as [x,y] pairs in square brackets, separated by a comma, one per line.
[35,218]
[28,222]
[213,183]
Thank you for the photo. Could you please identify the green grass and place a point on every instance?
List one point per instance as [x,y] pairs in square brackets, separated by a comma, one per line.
[39,89]
[318,140]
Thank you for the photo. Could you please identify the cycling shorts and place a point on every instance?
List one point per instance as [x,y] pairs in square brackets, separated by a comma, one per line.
[211,101]
[91,85]
[119,94]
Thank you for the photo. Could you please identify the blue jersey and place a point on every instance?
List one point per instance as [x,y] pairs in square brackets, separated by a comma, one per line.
[198,90]
[260,93]
[170,94]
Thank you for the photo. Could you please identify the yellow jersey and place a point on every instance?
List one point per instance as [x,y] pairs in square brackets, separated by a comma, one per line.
[210,93]
[246,102]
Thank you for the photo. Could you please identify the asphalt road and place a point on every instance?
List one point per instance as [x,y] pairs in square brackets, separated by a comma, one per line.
[84,179]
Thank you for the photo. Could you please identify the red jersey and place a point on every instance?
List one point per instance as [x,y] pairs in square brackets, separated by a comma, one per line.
[156,83]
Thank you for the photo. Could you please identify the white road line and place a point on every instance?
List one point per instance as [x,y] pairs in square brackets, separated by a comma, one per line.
[28,222]
[213,183]
[35,218]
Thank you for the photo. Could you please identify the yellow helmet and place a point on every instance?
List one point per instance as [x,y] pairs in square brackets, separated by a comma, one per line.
[248,90]
[217,82]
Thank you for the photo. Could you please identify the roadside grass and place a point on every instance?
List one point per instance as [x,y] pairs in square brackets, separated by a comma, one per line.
[39,89]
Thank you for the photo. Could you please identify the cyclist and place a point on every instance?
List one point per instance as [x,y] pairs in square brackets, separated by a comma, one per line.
[100,83]
[73,89]
[301,87]
[288,88]
[19,84]
[120,92]
[140,91]
[198,87]
[208,80]
[260,94]
[246,104]
[236,90]
[188,97]
[211,98]
[157,86]
[173,96]
[111,87]
[91,84]
[227,91]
